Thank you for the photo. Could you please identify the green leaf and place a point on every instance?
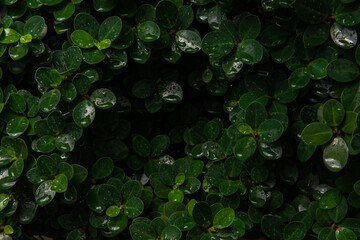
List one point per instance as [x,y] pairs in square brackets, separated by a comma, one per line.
[312,11]
[103,98]
[270,130]
[170,92]
[249,51]
[148,31]
[48,77]
[84,113]
[305,151]
[224,218]
[176,195]
[49,100]
[104,5]
[249,27]
[102,168]
[350,96]
[65,143]
[245,148]
[273,36]
[80,174]
[333,113]
[82,39]
[336,154]
[357,55]
[343,70]
[60,183]
[43,194]
[257,196]
[46,144]
[110,28]
[212,151]
[171,233]
[113,211]
[327,233]
[272,226]
[93,56]
[350,122]
[317,69]
[188,41]
[145,12]
[35,26]
[9,36]
[338,213]
[131,189]
[316,134]
[252,96]
[51,2]
[295,231]
[217,44]
[4,201]
[142,231]
[159,144]
[166,14]
[139,52]
[47,166]
[117,224]
[17,126]
[17,103]
[141,145]
[345,233]
[64,12]
[18,51]
[348,14]
[202,214]
[72,58]
[330,199]
[109,195]
[315,35]
[86,22]
[133,207]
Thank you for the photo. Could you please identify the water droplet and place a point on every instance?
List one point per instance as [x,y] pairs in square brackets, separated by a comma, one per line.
[342,36]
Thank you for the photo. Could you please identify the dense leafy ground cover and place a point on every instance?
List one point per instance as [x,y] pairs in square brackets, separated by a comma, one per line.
[180,119]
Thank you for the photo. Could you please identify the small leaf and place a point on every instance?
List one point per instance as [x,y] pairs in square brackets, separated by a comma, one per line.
[336,154]
[82,39]
[330,199]
[224,218]
[102,168]
[110,28]
[148,31]
[43,194]
[270,130]
[17,126]
[316,134]
[60,183]
[84,113]
[245,148]
[295,231]
[103,98]
[343,70]
[249,51]
[133,207]
[188,41]
[217,44]
[49,100]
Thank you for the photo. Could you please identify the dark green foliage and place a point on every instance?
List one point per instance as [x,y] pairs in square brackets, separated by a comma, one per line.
[179,119]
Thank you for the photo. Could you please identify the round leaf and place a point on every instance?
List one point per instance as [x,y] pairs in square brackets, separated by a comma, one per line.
[336,154]
[316,134]
[224,218]
[217,44]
